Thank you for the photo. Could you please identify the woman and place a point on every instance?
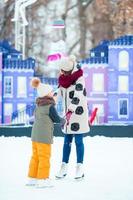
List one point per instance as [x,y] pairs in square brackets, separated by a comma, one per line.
[73,92]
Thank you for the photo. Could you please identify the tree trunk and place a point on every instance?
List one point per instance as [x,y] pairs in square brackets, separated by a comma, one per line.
[82,25]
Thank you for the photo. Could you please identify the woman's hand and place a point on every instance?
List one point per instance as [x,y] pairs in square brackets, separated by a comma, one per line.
[68,116]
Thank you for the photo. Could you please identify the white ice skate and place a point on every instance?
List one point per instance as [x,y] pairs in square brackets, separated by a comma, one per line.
[31,182]
[44,183]
[79,172]
[63,171]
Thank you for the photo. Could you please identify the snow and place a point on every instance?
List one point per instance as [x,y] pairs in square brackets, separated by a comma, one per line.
[108,169]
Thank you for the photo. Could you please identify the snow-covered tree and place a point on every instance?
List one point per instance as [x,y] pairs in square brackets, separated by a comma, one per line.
[87,22]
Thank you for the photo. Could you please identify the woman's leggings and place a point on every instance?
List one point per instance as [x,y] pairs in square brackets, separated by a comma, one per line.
[79,147]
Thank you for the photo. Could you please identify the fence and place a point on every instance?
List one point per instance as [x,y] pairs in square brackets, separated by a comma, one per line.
[26,115]
[96,130]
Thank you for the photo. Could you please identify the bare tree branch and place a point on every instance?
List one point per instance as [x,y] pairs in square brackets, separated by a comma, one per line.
[88,3]
[70,8]
[73,46]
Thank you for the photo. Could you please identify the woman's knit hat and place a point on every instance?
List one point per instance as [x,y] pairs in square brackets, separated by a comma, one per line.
[67,63]
[42,89]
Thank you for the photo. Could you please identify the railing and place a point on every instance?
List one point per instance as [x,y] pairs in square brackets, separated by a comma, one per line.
[92,60]
[26,115]
[17,63]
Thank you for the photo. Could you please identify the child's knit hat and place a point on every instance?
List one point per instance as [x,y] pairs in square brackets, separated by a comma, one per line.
[42,89]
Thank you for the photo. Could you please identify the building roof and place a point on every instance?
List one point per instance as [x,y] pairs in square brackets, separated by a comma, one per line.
[122,40]
[12,58]
[99,54]
[5,47]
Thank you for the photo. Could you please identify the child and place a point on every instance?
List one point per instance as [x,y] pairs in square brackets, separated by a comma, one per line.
[42,135]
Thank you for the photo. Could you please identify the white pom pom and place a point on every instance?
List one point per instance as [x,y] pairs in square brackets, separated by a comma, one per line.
[72,58]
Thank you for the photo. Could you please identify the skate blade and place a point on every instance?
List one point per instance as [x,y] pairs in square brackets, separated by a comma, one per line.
[45,186]
[59,178]
[79,178]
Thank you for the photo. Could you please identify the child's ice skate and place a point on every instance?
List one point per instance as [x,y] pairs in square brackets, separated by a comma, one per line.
[31,182]
[44,183]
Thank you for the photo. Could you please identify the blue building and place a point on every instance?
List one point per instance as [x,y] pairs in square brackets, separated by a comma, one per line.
[15,76]
[108,73]
[109,80]
[120,80]
[95,71]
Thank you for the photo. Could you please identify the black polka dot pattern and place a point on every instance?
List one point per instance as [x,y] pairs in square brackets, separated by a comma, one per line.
[79,110]
[75,101]
[75,126]
[84,92]
[71,94]
[79,87]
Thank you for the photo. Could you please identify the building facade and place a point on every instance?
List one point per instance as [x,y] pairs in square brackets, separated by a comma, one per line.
[15,76]
[120,80]
[109,80]
[108,73]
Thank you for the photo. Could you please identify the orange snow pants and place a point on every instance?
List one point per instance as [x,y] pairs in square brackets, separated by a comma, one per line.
[40,161]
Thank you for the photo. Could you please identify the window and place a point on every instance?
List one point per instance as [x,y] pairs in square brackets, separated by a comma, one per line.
[98,82]
[9,57]
[8,109]
[123,60]
[92,54]
[8,86]
[102,54]
[22,87]
[21,106]
[123,84]
[123,107]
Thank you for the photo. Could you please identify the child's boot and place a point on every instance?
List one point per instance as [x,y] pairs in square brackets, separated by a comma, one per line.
[44,183]
[31,182]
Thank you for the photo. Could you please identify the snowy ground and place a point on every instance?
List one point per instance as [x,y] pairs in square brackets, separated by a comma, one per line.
[108,170]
